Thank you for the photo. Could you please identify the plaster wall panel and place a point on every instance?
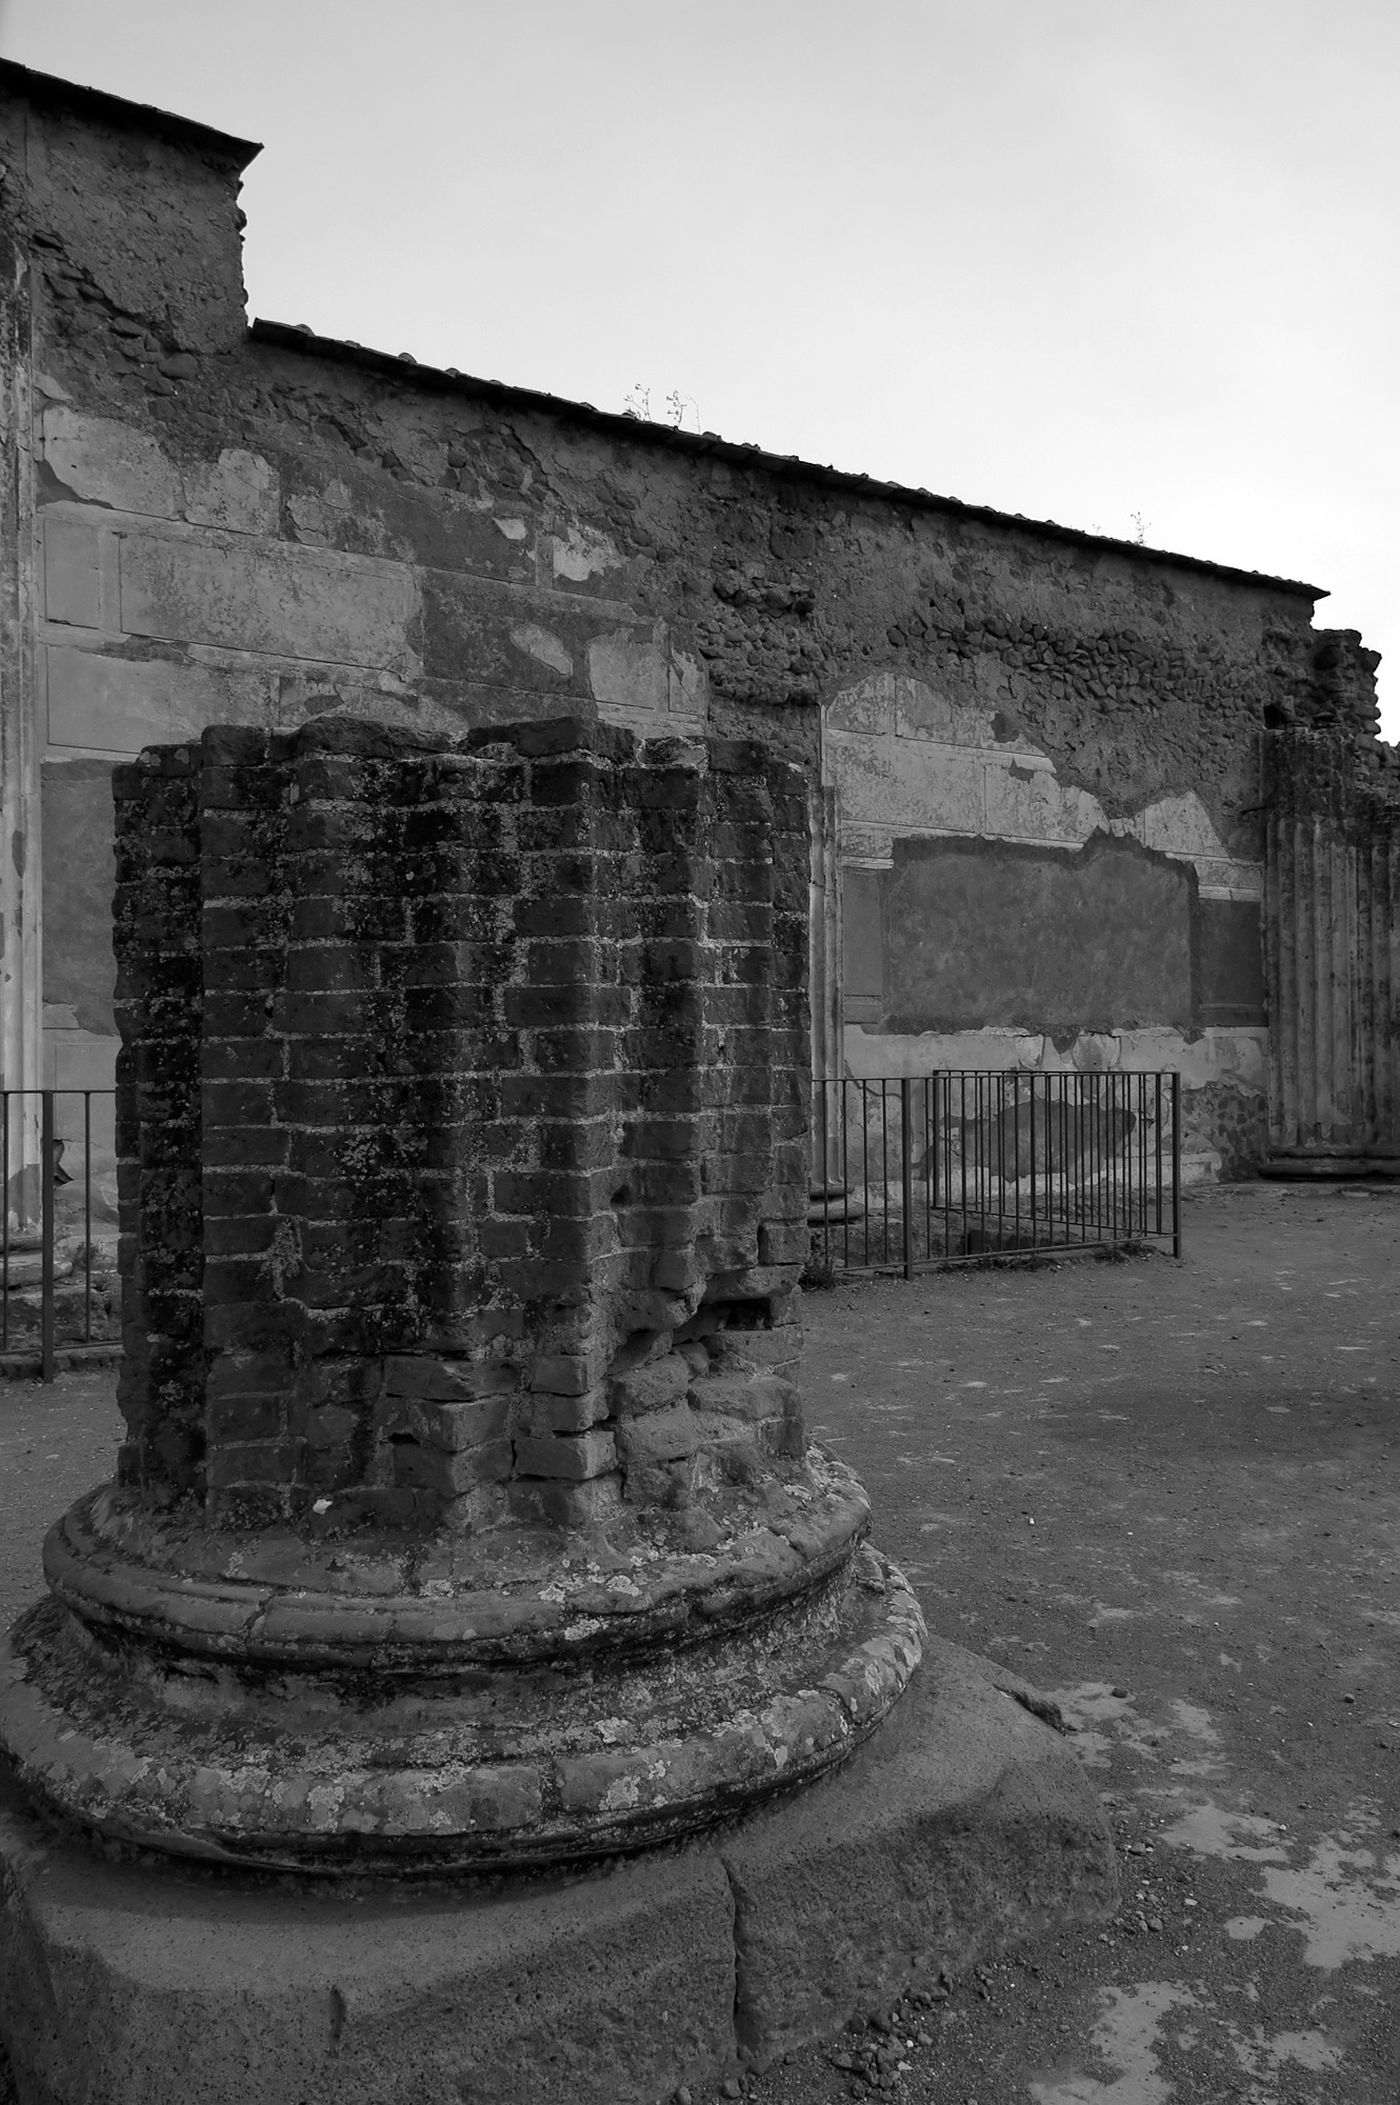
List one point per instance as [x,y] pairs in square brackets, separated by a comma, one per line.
[629,672]
[79,875]
[872,706]
[867,847]
[544,647]
[906,785]
[1029,802]
[491,632]
[1181,825]
[237,492]
[81,1060]
[76,567]
[284,601]
[955,716]
[361,508]
[984,934]
[97,460]
[118,705]
[1229,880]
[1231,952]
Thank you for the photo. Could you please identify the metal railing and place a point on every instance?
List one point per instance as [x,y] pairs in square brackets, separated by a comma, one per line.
[963,1164]
[58,1233]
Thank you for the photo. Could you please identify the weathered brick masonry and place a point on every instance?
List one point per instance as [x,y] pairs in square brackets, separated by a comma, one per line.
[453,1079]
[466,1512]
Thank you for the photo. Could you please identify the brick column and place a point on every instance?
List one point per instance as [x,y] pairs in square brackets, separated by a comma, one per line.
[464,1111]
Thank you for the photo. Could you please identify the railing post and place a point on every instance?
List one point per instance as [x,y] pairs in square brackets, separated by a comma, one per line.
[46,1229]
[87,1216]
[1176,1165]
[906,1169]
[5,1232]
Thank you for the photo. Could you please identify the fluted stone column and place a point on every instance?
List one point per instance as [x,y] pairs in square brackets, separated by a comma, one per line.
[465,1516]
[1332,956]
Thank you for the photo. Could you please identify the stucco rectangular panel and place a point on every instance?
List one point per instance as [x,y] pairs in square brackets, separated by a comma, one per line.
[1029,803]
[275,599]
[994,934]
[1232,962]
[863,936]
[72,566]
[103,461]
[899,782]
[118,705]
[79,875]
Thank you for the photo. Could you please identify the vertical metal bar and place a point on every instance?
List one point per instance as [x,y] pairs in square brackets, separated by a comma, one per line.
[1103,1089]
[1059,1198]
[1122,1158]
[962,1149]
[5,1181]
[925,1093]
[87,1216]
[885,1166]
[906,1092]
[826,1173]
[984,1147]
[1016,1152]
[46,1229]
[1087,1154]
[1046,1171]
[846,1174]
[931,1180]
[1176,1164]
[1157,1079]
[865,1162]
[1140,1212]
[1030,1149]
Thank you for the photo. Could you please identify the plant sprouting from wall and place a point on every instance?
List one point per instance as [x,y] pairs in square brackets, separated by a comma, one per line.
[637,404]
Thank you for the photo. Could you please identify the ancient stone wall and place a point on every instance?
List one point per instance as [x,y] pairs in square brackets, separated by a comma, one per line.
[267,528]
[465,1076]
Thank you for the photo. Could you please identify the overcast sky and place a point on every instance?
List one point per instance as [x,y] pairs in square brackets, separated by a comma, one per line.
[1120,263]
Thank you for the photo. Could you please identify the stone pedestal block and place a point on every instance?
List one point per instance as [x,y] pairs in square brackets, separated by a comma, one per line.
[961,1829]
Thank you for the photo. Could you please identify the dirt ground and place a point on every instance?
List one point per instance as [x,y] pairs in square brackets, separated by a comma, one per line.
[1169,1494]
